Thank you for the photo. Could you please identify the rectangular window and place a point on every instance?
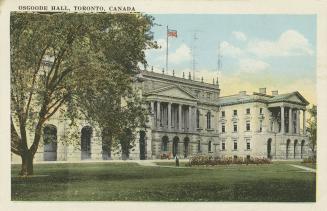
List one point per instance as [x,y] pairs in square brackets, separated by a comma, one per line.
[209,120]
[235,127]
[248,145]
[223,114]
[197,118]
[260,127]
[223,146]
[223,128]
[248,157]
[208,95]
[235,145]
[247,111]
[261,110]
[199,146]
[235,112]
[248,126]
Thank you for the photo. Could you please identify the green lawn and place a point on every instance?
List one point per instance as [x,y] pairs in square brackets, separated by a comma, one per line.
[131,182]
[310,165]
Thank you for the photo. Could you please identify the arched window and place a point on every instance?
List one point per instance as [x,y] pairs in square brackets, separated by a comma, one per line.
[269,148]
[209,120]
[295,148]
[199,146]
[209,146]
[186,145]
[165,141]
[175,146]
[302,148]
[142,145]
[287,147]
[50,143]
[86,142]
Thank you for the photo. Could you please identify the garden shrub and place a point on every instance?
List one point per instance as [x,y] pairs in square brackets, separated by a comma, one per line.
[311,159]
[208,160]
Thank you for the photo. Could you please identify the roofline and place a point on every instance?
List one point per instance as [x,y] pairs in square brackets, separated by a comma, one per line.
[181,80]
[169,87]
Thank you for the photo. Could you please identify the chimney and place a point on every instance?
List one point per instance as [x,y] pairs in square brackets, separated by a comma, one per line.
[274,93]
[262,90]
[242,93]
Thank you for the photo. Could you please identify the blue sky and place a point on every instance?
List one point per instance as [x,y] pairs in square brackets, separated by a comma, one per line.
[272,50]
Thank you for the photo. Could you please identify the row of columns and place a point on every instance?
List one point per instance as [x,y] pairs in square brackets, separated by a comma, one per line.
[290,120]
[158,115]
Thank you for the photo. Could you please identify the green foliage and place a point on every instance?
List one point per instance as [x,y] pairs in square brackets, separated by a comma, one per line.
[77,64]
[311,159]
[312,129]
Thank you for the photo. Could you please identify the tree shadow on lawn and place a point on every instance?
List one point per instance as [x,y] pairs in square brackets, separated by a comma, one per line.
[245,191]
[138,183]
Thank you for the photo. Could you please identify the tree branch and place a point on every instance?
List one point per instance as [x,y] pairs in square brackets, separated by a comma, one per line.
[33,81]
[54,110]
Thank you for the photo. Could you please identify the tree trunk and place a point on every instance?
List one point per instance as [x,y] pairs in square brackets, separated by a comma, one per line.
[27,164]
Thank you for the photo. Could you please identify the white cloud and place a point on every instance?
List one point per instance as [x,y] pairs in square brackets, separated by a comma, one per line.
[228,49]
[233,83]
[181,54]
[289,43]
[252,65]
[239,35]
[162,44]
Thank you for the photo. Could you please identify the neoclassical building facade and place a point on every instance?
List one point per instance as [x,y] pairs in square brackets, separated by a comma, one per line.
[188,117]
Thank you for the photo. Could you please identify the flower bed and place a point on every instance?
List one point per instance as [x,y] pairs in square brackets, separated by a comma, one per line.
[207,160]
[166,156]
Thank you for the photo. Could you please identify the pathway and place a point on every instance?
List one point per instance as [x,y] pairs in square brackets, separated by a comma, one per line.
[304,168]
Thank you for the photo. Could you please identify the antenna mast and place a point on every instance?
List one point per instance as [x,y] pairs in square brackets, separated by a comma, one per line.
[219,59]
[193,54]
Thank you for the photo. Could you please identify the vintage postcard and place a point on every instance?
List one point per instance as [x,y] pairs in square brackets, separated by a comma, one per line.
[157,105]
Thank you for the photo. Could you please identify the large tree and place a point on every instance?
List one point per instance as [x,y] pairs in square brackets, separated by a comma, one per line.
[54,55]
[312,129]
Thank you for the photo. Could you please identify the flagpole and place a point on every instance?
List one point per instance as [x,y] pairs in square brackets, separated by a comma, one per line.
[167,51]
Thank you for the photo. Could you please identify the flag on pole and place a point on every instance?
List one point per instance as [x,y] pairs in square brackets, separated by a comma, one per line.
[172,33]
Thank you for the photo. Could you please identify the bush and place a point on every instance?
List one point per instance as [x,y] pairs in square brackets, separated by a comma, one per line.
[311,159]
[208,160]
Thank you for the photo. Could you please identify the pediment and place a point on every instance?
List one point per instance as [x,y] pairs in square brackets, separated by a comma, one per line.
[173,91]
[296,97]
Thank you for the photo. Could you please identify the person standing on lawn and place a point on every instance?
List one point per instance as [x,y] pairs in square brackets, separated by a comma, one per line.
[177,160]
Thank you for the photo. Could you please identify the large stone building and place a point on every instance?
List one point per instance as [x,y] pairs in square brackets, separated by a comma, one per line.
[188,117]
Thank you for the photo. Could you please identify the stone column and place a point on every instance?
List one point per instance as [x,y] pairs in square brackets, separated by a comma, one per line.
[152,107]
[190,118]
[304,121]
[179,116]
[158,114]
[282,119]
[169,116]
[290,122]
[298,121]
